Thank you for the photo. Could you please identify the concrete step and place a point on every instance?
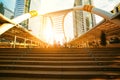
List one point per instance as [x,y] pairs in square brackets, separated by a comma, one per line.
[47,58]
[59,68]
[38,58]
[46,54]
[43,50]
[33,62]
[23,78]
[60,74]
[61,55]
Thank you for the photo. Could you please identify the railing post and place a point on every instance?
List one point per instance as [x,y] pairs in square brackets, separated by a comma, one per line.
[14,43]
[31,44]
[25,43]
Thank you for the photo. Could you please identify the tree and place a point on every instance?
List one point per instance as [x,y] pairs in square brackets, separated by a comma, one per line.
[1,8]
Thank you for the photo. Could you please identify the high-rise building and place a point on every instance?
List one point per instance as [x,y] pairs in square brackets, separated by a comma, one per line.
[1,8]
[82,21]
[7,12]
[26,10]
[21,7]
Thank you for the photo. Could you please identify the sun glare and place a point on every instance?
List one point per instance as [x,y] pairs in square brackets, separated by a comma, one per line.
[48,32]
[51,36]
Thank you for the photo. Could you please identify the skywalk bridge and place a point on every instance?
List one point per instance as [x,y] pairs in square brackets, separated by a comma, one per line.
[15,34]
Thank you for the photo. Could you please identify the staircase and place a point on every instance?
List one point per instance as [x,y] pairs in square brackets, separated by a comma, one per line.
[59,64]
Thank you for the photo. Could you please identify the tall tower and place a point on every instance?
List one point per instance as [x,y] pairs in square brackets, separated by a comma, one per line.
[21,7]
[78,21]
[26,10]
[82,21]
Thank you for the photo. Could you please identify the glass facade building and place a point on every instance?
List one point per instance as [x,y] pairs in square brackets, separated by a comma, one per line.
[21,7]
[82,21]
[6,11]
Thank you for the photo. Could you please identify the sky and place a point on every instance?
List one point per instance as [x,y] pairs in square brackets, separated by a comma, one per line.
[54,5]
